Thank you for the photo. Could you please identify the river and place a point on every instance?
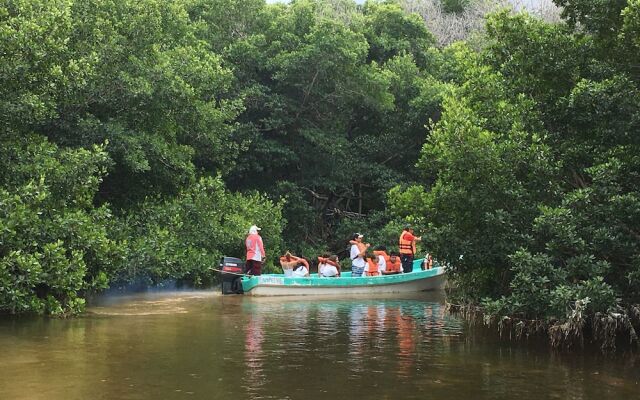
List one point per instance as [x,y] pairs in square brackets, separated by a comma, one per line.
[200,345]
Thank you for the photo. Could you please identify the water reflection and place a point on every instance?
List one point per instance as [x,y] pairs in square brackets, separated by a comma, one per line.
[201,346]
[369,340]
[406,343]
[253,354]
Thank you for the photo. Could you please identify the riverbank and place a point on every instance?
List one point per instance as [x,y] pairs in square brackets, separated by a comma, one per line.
[609,332]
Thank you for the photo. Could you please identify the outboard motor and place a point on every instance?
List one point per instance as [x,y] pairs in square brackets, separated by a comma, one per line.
[231,280]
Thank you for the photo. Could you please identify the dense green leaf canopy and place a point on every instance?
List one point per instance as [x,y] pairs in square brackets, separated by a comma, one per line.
[140,139]
[535,167]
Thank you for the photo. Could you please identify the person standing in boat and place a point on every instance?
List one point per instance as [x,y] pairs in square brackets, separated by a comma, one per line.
[407,248]
[358,250]
[255,251]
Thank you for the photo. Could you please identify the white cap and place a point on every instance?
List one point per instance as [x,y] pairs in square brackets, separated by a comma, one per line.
[253,230]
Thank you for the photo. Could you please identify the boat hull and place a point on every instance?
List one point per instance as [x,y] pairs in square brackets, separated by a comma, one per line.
[279,285]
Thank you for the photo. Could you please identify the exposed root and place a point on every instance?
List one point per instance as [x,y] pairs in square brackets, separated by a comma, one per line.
[609,327]
[604,329]
[517,328]
[472,314]
[567,334]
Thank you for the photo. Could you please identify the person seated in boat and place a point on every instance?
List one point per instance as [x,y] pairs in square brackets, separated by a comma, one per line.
[384,261]
[334,261]
[302,269]
[427,263]
[328,267]
[289,262]
[373,267]
[394,264]
[357,254]
[322,259]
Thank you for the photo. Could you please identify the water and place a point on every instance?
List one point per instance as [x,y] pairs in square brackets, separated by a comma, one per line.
[205,346]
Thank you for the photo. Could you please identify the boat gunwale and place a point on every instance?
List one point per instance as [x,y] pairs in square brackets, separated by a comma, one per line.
[316,282]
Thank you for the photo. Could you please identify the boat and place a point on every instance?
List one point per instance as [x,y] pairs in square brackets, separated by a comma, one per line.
[280,285]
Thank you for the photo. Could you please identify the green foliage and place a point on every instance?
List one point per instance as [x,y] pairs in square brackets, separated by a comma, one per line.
[390,32]
[181,238]
[34,64]
[631,25]
[518,163]
[534,278]
[455,6]
[135,105]
[152,89]
[53,242]
[530,189]
[337,102]
[601,17]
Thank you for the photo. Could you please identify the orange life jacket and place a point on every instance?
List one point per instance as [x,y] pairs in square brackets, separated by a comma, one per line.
[393,266]
[406,246]
[373,269]
[381,253]
[384,255]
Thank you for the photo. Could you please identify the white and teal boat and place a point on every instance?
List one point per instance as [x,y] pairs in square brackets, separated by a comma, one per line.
[280,285]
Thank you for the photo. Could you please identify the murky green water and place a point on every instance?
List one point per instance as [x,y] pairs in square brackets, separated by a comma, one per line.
[205,346]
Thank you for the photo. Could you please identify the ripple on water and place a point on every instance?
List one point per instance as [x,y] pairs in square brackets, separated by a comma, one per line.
[153,303]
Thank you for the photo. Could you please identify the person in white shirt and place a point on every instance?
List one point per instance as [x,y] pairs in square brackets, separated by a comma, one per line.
[302,270]
[328,267]
[358,250]
[288,262]
[381,252]
[255,252]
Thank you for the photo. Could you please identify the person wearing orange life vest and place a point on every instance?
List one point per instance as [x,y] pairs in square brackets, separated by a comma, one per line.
[394,265]
[389,264]
[381,253]
[407,248]
[372,268]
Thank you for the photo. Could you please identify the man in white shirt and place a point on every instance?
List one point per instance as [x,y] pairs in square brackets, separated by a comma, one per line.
[358,250]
